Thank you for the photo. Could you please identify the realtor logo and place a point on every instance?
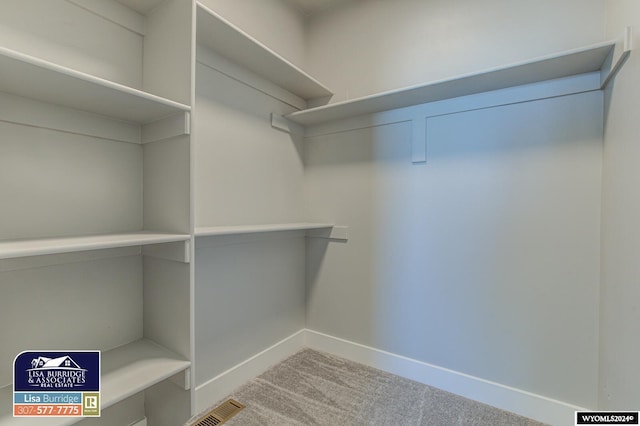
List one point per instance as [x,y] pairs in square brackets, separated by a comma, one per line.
[55,371]
[60,384]
[91,404]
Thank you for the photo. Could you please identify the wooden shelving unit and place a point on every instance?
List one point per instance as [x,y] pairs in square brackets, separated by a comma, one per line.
[84,118]
[564,64]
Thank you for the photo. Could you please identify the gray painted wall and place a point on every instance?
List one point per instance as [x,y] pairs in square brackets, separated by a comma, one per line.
[365,47]
[249,295]
[249,290]
[484,260]
[620,311]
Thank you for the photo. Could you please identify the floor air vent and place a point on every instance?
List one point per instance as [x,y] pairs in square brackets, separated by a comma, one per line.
[221,413]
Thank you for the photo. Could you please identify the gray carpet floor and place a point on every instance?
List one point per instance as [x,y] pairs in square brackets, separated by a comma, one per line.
[313,388]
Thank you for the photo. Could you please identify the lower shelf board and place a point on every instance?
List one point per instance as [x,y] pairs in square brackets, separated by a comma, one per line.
[134,367]
[126,370]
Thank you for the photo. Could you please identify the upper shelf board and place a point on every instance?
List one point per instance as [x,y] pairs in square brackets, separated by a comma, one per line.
[572,62]
[252,229]
[36,247]
[224,38]
[34,78]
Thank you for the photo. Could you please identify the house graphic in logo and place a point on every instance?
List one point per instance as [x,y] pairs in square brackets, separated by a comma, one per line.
[60,363]
[55,371]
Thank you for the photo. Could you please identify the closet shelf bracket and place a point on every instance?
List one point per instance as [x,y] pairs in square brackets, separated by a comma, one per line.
[166,128]
[281,123]
[608,73]
[177,252]
[182,379]
[335,233]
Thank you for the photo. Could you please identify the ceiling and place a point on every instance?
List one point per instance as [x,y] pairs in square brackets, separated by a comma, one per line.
[309,7]
[141,6]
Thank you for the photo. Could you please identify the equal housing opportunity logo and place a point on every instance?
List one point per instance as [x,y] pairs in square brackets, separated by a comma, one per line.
[56,384]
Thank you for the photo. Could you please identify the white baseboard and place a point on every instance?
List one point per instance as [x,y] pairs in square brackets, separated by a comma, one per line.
[521,402]
[224,383]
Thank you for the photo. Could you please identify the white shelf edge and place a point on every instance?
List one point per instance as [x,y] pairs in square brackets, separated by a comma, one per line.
[252,229]
[134,367]
[310,88]
[35,247]
[406,96]
[126,370]
[168,106]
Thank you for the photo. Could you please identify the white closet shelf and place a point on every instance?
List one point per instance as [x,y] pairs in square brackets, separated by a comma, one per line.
[252,229]
[35,247]
[132,368]
[126,370]
[564,64]
[224,38]
[34,78]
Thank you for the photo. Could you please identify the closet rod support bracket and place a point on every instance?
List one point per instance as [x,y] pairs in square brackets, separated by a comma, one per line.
[607,75]
[419,140]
